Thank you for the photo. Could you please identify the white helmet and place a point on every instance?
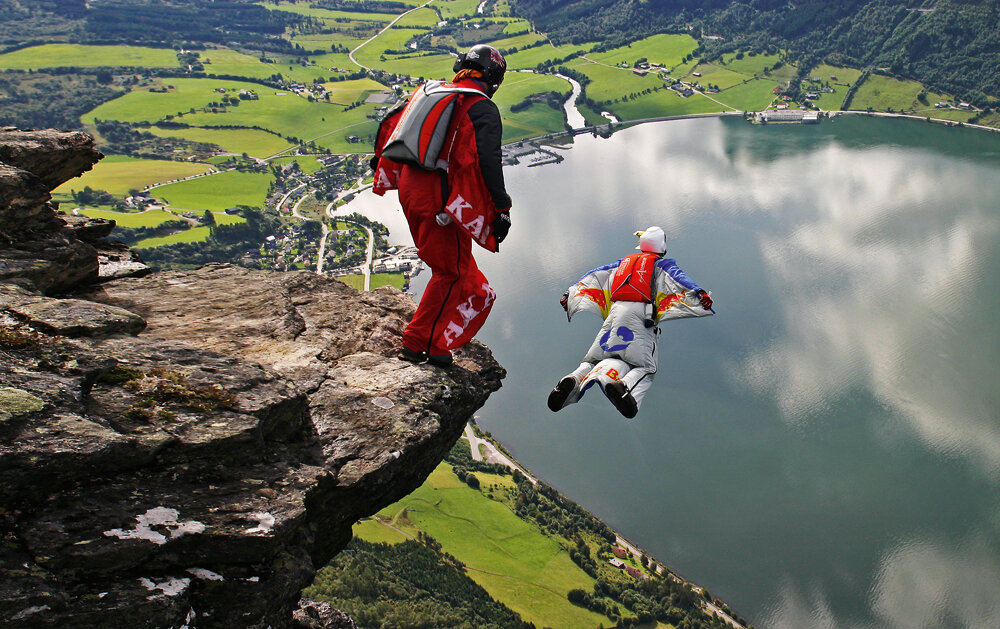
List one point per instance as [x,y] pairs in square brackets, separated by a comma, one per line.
[652,240]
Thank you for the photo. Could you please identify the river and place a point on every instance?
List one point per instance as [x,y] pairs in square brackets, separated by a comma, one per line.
[825,451]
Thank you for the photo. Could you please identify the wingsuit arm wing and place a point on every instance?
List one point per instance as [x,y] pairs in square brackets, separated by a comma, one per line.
[676,293]
[592,292]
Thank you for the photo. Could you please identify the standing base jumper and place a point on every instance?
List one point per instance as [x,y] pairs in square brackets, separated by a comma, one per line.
[632,295]
[442,152]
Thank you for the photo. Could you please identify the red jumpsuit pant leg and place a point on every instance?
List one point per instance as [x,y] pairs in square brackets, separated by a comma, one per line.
[458,298]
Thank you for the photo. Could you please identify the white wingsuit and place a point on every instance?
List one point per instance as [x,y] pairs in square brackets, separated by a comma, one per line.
[633,296]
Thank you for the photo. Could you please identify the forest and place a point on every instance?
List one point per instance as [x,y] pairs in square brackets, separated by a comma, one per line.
[146,22]
[950,46]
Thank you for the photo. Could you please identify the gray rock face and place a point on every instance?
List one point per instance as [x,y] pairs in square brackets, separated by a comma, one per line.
[39,248]
[186,449]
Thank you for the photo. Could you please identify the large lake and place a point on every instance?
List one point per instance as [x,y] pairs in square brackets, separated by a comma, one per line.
[825,451]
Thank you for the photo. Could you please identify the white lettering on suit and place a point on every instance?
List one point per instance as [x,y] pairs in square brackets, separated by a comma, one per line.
[468,312]
[383,179]
[455,207]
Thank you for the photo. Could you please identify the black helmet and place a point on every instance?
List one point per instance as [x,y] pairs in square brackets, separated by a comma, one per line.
[487,60]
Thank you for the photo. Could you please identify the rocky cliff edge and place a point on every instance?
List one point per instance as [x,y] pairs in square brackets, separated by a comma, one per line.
[186,449]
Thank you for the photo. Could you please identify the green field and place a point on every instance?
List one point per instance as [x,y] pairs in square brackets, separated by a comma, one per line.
[183,95]
[374,531]
[378,279]
[752,96]
[668,50]
[531,57]
[347,92]
[149,218]
[223,61]
[884,93]
[254,142]
[511,559]
[538,119]
[118,174]
[456,8]
[75,55]
[221,218]
[304,8]
[216,192]
[421,18]
[608,83]
[307,163]
[195,234]
[279,111]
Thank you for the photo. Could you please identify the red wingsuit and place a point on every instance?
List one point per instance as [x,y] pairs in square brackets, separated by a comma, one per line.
[458,297]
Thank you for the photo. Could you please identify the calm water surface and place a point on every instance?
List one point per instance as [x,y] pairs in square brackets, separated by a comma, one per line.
[825,452]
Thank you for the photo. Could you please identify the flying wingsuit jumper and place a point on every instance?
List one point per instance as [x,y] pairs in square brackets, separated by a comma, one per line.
[633,296]
[452,192]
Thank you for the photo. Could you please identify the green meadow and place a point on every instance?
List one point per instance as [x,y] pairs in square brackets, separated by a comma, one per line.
[517,41]
[375,531]
[76,55]
[668,50]
[752,96]
[421,18]
[664,103]
[118,174]
[223,61]
[456,8]
[378,279]
[182,95]
[194,234]
[517,564]
[216,192]
[279,111]
[221,218]
[608,83]
[305,8]
[719,75]
[149,218]
[531,57]
[307,163]
[539,118]
[836,75]
[347,92]
[884,93]
[254,142]
[333,61]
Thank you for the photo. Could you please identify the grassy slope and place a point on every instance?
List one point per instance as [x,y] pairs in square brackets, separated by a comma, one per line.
[195,234]
[216,192]
[511,559]
[118,174]
[254,142]
[76,55]
[149,218]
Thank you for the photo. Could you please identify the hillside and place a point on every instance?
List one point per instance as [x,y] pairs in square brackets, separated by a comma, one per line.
[949,45]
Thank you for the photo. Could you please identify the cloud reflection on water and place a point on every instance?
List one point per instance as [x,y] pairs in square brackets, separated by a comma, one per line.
[923,584]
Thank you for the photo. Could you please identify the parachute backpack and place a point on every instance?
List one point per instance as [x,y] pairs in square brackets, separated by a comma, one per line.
[423,126]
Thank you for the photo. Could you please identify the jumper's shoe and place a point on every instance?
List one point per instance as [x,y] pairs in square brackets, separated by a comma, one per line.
[621,398]
[412,356]
[557,398]
[441,360]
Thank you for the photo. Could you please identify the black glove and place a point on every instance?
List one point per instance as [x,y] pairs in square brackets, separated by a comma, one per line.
[706,300]
[373,163]
[564,301]
[501,225]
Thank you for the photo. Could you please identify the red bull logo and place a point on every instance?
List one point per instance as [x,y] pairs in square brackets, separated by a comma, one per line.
[595,295]
[668,301]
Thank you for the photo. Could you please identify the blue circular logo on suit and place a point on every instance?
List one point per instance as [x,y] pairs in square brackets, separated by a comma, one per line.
[621,334]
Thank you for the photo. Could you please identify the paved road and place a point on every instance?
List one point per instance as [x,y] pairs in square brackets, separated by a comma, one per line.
[492,454]
[350,55]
